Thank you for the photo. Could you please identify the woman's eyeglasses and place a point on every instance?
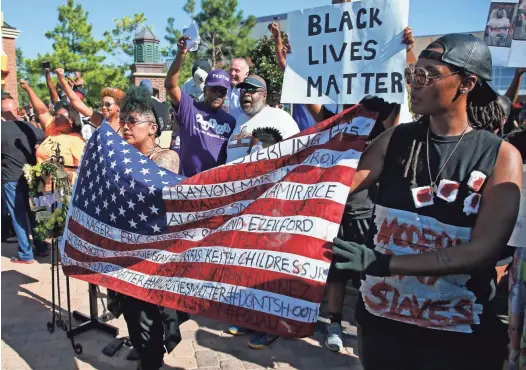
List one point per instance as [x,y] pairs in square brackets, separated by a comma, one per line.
[131,121]
[106,105]
[420,76]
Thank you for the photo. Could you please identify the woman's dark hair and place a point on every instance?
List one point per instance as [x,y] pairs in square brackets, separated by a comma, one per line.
[139,100]
[74,115]
[484,113]
[267,135]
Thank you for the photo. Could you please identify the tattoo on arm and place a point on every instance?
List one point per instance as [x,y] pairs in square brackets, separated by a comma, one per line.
[443,257]
[168,159]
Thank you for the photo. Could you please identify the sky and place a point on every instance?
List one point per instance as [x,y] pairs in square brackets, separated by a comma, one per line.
[34,17]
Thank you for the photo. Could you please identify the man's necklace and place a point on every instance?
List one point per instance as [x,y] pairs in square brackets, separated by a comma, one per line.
[433,183]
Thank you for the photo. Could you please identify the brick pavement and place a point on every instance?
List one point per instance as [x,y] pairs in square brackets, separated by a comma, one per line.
[26,343]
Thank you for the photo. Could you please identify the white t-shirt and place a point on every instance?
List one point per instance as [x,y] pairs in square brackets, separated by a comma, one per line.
[235,109]
[193,90]
[239,141]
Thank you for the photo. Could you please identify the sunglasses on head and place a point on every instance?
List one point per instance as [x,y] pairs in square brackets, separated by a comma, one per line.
[421,77]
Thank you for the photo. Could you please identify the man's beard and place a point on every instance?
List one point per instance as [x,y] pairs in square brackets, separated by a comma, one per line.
[255,108]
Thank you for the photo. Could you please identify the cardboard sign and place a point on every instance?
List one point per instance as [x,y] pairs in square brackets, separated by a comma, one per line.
[341,53]
[518,238]
[505,32]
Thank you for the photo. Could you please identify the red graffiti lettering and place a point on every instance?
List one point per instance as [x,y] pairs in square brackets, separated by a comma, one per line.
[379,291]
[406,235]
[427,280]
[439,306]
[427,312]
[464,307]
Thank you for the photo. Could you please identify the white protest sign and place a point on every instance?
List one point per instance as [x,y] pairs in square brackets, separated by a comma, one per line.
[193,33]
[341,53]
[505,32]
[518,238]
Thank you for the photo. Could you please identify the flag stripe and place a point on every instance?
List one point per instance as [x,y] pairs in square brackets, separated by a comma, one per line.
[305,246]
[275,282]
[245,171]
[300,175]
[276,261]
[247,318]
[262,301]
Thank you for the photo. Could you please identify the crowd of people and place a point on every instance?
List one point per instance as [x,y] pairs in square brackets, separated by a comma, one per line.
[458,167]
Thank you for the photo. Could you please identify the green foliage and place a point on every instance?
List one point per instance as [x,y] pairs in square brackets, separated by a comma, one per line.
[224,31]
[172,35]
[120,38]
[75,49]
[265,65]
[23,72]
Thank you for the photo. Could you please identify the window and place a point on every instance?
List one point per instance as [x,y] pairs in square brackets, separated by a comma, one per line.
[502,77]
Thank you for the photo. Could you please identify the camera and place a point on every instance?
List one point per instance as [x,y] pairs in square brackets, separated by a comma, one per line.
[46,65]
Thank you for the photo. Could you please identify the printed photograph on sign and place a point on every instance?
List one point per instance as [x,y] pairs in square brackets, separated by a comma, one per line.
[520,25]
[499,26]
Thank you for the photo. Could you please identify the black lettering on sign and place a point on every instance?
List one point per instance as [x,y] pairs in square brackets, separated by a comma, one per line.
[368,77]
[348,77]
[332,84]
[374,12]
[370,50]
[314,25]
[360,24]
[396,82]
[380,83]
[311,84]
[312,61]
[328,29]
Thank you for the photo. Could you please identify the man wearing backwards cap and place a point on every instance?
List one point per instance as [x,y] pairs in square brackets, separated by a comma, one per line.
[447,202]
[257,114]
[204,128]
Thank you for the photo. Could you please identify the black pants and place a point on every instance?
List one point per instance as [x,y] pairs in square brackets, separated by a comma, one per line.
[146,330]
[153,330]
[396,346]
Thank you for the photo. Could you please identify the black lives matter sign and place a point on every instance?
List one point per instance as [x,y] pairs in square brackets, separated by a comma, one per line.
[340,53]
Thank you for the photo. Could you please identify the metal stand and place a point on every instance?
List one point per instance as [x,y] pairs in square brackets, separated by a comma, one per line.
[91,322]
[56,319]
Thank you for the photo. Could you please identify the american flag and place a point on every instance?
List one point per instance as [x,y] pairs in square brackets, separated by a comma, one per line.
[247,243]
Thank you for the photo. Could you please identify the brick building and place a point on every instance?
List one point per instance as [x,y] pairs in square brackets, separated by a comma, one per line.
[8,59]
[147,62]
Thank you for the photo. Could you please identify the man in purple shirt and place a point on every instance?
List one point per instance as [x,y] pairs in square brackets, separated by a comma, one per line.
[204,128]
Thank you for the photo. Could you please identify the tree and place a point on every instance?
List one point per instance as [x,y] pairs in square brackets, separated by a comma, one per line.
[75,49]
[120,39]
[23,72]
[266,66]
[223,31]
[172,35]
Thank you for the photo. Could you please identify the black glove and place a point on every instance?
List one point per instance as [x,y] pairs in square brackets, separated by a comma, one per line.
[360,258]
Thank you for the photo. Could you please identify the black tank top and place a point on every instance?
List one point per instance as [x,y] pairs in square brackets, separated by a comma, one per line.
[403,224]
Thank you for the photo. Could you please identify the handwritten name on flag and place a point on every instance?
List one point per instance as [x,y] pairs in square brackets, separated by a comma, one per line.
[246,243]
